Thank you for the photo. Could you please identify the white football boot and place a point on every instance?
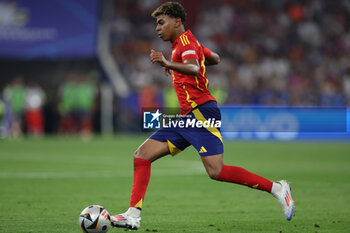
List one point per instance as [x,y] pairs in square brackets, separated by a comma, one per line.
[281,191]
[130,219]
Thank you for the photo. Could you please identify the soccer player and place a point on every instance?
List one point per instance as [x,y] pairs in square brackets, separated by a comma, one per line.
[187,68]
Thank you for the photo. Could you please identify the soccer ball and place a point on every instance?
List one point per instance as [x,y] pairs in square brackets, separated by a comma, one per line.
[94,219]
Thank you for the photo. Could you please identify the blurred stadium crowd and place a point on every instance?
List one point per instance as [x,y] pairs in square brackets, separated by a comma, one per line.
[287,52]
[272,52]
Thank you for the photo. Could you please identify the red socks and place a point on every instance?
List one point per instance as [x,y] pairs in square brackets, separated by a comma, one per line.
[142,174]
[241,176]
[233,174]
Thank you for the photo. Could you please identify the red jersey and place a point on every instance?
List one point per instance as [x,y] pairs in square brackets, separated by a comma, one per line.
[190,90]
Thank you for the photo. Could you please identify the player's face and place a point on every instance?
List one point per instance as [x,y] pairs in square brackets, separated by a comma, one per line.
[165,27]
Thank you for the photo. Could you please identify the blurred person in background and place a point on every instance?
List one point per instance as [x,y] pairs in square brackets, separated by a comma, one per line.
[66,104]
[150,97]
[34,102]
[5,117]
[84,101]
[346,79]
[15,93]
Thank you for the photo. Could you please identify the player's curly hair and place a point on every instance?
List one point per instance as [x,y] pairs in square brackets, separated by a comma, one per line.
[171,9]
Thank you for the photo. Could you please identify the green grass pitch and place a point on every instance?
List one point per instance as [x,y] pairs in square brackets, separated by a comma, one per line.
[46,183]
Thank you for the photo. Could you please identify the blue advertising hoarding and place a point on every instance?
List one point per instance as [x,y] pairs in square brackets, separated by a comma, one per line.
[285,123]
[54,29]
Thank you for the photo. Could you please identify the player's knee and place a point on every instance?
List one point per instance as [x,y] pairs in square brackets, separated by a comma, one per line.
[214,173]
[141,154]
[138,154]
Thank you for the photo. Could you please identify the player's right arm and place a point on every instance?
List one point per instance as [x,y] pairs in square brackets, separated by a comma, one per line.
[189,66]
[211,58]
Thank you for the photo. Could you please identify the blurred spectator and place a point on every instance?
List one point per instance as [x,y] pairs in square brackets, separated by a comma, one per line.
[84,100]
[150,97]
[66,105]
[35,99]
[15,93]
[5,117]
[77,100]
[331,95]
[346,85]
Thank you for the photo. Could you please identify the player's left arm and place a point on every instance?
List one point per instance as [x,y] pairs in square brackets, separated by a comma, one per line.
[211,58]
[189,66]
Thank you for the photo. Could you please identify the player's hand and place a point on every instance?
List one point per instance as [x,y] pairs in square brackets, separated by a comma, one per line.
[167,71]
[158,57]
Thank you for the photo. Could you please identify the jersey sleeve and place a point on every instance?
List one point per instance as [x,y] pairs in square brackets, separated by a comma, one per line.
[207,52]
[188,48]
[189,51]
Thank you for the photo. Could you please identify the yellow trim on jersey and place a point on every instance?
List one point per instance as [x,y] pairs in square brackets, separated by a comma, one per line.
[199,116]
[203,65]
[183,43]
[173,76]
[193,104]
[173,149]
[184,40]
[197,82]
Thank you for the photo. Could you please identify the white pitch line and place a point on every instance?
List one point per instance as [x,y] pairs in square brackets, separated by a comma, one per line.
[53,175]
[175,168]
